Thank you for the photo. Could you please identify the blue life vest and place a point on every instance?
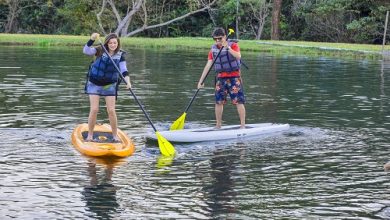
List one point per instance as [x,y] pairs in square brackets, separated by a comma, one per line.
[103,72]
[225,61]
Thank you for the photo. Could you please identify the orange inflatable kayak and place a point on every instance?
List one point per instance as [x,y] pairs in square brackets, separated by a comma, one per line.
[103,145]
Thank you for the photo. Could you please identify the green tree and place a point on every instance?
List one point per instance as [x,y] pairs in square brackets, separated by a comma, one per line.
[41,17]
[359,21]
[258,12]
[3,15]
[24,16]
[79,17]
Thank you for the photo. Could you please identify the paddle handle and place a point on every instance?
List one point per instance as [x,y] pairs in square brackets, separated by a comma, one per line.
[131,91]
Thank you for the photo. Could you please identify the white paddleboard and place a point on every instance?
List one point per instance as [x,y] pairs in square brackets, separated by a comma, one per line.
[226,132]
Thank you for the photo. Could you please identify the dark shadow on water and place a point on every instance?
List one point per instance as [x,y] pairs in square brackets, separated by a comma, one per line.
[220,190]
[100,194]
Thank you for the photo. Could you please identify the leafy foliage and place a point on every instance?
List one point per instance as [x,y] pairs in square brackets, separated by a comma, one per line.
[353,21]
[79,17]
[3,15]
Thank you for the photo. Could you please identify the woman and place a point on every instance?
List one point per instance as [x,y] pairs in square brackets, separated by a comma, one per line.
[103,80]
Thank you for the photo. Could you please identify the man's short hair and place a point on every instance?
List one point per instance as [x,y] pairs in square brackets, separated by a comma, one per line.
[219,32]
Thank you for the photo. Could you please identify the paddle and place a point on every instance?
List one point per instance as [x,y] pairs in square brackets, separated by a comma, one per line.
[179,123]
[166,148]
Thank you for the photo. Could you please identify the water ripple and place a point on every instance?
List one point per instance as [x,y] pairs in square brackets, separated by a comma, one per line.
[329,165]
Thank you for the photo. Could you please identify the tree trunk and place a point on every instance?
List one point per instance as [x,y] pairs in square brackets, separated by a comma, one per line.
[98,15]
[123,23]
[13,12]
[237,19]
[146,26]
[275,29]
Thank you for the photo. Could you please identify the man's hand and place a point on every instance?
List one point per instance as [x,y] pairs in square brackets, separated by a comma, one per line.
[200,85]
[225,44]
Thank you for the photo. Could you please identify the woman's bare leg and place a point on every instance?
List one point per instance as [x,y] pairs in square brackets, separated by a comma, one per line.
[93,112]
[110,102]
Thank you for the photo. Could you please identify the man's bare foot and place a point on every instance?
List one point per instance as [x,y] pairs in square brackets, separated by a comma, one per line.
[242,127]
[387,166]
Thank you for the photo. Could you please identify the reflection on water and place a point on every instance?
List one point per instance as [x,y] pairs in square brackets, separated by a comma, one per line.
[100,194]
[329,165]
[221,194]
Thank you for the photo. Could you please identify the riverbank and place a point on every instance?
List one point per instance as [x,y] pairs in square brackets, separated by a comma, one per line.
[263,46]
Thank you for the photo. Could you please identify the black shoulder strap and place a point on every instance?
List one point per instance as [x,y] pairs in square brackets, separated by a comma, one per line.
[87,76]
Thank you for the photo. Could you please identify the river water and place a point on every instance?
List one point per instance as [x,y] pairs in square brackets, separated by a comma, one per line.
[328,165]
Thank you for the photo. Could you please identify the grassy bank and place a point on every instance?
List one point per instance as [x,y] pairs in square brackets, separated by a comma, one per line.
[273,47]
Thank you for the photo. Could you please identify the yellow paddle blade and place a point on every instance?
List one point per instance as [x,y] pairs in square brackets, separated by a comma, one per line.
[166,148]
[231,31]
[164,161]
[179,123]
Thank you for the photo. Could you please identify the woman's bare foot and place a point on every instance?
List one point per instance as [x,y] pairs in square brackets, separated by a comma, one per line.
[89,139]
[116,139]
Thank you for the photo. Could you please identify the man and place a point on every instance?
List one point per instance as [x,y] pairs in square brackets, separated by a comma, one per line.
[228,80]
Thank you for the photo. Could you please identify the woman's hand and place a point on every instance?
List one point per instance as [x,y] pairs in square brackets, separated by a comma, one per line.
[94,36]
[127,82]
[128,85]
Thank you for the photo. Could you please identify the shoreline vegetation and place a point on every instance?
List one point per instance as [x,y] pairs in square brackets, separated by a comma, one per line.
[358,51]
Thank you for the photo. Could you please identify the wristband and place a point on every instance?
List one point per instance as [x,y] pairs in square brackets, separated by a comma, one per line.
[90,42]
[124,74]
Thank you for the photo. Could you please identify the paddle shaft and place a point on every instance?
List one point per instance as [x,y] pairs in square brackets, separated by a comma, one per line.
[197,91]
[131,91]
[242,62]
